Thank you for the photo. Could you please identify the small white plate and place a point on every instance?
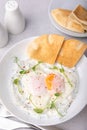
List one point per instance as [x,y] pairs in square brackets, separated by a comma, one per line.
[6,70]
[66,4]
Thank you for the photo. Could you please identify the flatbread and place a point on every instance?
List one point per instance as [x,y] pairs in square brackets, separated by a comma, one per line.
[45,48]
[74,25]
[81,14]
[81,26]
[71,52]
[62,17]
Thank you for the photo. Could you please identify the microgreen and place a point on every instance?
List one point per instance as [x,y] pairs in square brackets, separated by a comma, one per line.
[68,80]
[57,94]
[52,105]
[16,81]
[62,70]
[55,68]
[38,110]
[35,66]
[24,71]
[17,62]
[58,112]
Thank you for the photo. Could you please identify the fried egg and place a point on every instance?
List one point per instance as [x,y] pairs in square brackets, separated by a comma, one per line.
[45,87]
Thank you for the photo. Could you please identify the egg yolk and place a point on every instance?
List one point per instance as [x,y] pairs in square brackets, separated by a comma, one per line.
[55,83]
[49,80]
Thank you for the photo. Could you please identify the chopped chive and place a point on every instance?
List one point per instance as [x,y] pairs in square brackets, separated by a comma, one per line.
[24,71]
[52,105]
[58,112]
[35,66]
[57,94]
[68,80]
[62,70]
[38,110]
[16,81]
[32,101]
[55,68]
[17,62]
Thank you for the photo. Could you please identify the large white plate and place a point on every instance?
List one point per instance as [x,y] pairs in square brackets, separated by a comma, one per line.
[66,4]
[6,70]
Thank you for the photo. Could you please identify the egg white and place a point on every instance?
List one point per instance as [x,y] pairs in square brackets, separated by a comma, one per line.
[42,97]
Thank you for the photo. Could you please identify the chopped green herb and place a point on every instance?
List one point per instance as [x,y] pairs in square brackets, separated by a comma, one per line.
[62,70]
[35,66]
[58,112]
[57,94]
[24,71]
[17,62]
[52,105]
[30,96]
[54,67]
[39,62]
[16,81]
[69,82]
[38,110]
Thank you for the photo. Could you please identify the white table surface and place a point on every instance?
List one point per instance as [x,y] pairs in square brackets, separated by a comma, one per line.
[37,23]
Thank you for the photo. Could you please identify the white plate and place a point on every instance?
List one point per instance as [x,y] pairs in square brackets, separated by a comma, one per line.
[67,4]
[6,69]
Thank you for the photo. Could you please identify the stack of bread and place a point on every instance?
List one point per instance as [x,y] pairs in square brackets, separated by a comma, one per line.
[51,48]
[74,20]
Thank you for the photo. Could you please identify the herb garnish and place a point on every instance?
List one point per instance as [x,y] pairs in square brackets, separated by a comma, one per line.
[17,62]
[52,105]
[38,110]
[57,94]
[35,66]
[63,72]
[24,71]
[54,67]
[17,83]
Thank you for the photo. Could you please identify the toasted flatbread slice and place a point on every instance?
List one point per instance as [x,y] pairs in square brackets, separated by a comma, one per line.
[46,48]
[61,16]
[81,14]
[80,26]
[71,52]
[74,25]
